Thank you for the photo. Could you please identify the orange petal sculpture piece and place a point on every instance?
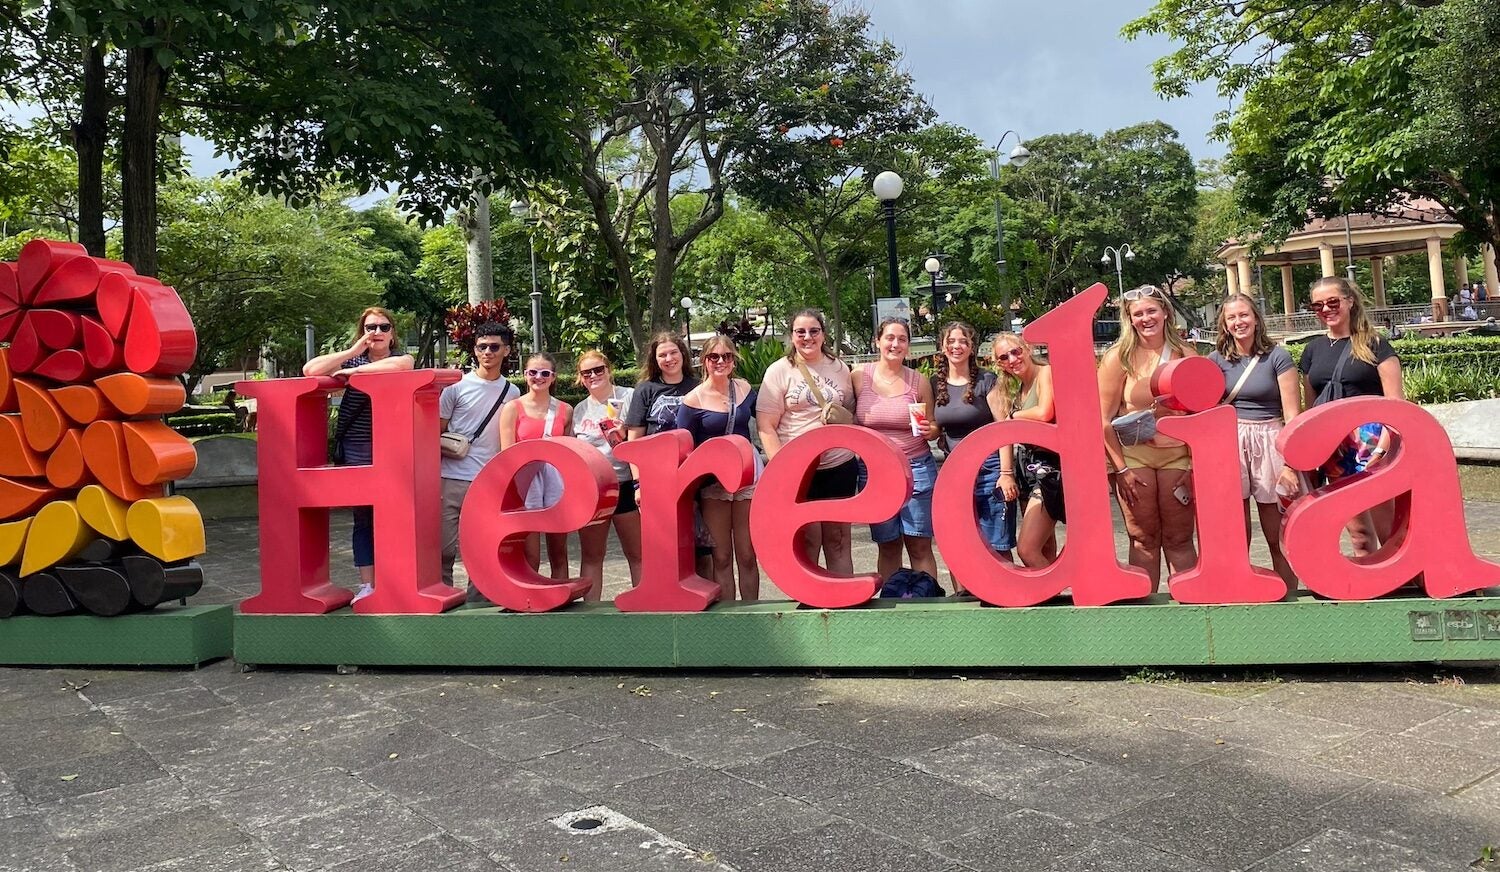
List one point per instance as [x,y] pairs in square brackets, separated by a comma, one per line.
[65,466]
[19,498]
[85,404]
[136,395]
[41,417]
[7,384]
[157,453]
[17,459]
[105,453]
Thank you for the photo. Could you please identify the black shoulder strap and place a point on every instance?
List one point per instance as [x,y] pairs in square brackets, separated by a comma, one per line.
[505,391]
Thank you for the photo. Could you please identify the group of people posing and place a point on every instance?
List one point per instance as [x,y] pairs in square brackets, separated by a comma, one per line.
[1018,495]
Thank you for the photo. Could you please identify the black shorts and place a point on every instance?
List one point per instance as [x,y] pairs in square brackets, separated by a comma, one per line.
[627,503]
[835,482]
[1041,478]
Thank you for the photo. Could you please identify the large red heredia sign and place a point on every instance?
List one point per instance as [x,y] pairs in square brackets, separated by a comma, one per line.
[402,484]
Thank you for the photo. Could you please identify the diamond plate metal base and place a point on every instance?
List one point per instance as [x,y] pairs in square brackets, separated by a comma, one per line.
[164,636]
[902,633]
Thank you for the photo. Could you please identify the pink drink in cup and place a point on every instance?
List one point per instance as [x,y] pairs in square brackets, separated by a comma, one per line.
[918,412]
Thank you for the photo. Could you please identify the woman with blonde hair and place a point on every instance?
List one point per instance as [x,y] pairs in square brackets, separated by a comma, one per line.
[1025,390]
[805,390]
[1262,385]
[599,420]
[1152,477]
[374,350]
[722,405]
[1352,360]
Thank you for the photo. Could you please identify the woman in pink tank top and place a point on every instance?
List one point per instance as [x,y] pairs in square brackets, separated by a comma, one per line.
[889,394]
[537,414]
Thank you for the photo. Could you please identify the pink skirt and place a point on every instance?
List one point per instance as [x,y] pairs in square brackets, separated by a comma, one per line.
[1260,462]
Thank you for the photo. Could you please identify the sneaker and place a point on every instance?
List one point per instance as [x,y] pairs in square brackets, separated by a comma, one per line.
[364,591]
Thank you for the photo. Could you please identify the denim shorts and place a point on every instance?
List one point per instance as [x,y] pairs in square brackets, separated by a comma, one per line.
[915,517]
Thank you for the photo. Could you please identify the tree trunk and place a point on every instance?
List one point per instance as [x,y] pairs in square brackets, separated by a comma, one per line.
[480,253]
[145,84]
[89,136]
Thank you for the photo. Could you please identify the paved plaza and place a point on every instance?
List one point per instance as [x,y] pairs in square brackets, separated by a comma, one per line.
[1386,769]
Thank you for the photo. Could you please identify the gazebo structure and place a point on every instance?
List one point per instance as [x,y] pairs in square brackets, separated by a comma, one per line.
[1417,226]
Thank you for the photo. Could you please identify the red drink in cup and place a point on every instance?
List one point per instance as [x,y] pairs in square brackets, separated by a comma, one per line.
[918,413]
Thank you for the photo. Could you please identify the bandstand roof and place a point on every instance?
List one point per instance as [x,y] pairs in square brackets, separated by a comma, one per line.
[1403,229]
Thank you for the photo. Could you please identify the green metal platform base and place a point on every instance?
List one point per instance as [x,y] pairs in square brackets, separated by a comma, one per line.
[164,636]
[903,633]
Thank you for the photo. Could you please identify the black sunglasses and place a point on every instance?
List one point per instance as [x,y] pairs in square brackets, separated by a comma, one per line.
[377,328]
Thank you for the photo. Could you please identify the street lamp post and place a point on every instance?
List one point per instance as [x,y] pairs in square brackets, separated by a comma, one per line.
[888,187]
[1018,156]
[522,210]
[934,267]
[687,319]
[1120,255]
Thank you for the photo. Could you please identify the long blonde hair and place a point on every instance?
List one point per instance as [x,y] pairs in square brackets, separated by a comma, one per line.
[1009,385]
[1126,345]
[1362,334]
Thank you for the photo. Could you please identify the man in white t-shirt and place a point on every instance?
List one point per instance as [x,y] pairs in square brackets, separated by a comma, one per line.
[471,406]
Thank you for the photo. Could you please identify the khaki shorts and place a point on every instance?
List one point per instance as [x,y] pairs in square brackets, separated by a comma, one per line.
[1148,456]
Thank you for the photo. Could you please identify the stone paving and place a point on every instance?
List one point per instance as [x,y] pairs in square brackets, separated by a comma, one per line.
[217,769]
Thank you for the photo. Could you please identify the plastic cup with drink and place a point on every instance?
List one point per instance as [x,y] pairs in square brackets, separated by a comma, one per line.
[918,412]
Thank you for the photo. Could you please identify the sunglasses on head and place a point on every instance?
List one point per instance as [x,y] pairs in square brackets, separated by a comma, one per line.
[593,371]
[374,327]
[1013,354]
[539,373]
[717,357]
[804,332]
[1134,294]
[489,346]
[1331,305]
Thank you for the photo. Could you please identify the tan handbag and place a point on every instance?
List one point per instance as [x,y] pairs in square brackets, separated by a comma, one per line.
[833,413]
[455,446]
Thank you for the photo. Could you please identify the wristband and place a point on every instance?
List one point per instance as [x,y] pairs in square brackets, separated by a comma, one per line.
[1010,472]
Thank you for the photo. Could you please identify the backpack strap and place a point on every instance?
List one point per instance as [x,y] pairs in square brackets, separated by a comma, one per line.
[547,422]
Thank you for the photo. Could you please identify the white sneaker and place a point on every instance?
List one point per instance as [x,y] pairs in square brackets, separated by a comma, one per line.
[364,591]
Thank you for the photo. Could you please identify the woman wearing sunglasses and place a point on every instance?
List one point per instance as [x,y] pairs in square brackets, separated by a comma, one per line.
[599,420]
[719,406]
[537,414]
[895,401]
[373,350]
[1262,385]
[1026,394]
[801,392]
[1352,360]
[1152,479]
[965,399]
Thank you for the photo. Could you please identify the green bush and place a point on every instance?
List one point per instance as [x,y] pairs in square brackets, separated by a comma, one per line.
[1431,383]
[206,424]
[757,357]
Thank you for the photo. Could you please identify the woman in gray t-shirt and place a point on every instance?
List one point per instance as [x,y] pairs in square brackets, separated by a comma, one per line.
[1262,384]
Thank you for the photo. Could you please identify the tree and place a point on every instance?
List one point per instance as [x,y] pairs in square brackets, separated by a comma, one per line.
[1347,105]
[785,75]
[254,271]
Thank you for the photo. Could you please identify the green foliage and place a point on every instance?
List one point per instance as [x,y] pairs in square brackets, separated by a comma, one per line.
[985,320]
[1430,382]
[253,271]
[1347,105]
[206,424]
[757,357]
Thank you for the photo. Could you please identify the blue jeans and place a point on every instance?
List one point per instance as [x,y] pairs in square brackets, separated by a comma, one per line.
[995,514]
[357,453]
[915,517]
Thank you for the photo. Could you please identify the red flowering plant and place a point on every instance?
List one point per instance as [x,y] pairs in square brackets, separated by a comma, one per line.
[461,322]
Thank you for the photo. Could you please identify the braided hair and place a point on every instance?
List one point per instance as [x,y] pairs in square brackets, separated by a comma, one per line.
[942,383]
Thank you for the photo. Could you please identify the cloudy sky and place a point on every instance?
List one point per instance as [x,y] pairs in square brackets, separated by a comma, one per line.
[1039,67]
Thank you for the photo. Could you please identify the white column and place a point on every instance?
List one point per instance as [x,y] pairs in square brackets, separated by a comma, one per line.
[1232,278]
[1461,271]
[1325,260]
[1288,290]
[1435,276]
[1491,274]
[1377,279]
[1247,285]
